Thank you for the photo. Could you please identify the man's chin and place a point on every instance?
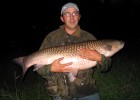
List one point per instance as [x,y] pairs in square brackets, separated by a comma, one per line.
[72,26]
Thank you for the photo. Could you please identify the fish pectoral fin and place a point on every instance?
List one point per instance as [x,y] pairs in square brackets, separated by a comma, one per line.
[74,72]
[107,47]
[71,77]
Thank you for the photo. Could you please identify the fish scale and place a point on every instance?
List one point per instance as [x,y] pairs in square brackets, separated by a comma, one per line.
[71,54]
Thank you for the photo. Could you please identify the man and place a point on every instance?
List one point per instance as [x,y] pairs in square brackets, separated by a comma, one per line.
[57,83]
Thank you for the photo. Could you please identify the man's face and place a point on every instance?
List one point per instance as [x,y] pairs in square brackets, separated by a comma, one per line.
[70,17]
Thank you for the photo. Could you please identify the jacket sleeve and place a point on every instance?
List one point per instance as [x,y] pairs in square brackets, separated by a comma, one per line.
[44,71]
[105,64]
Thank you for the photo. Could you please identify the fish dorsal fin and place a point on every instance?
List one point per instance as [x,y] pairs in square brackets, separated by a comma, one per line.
[107,47]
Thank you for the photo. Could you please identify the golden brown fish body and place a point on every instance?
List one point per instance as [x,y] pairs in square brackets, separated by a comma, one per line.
[70,54]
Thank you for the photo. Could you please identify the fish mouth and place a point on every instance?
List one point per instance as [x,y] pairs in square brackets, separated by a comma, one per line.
[122,42]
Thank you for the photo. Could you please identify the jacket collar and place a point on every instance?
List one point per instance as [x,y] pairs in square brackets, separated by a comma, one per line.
[76,33]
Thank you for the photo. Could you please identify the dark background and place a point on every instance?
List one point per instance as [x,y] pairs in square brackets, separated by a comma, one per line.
[24,24]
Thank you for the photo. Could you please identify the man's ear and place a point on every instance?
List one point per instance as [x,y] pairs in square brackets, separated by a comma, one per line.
[80,17]
[61,18]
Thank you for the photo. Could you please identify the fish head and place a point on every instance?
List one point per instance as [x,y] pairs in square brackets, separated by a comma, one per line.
[111,47]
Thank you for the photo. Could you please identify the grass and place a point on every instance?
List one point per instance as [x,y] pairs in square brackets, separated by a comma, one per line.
[30,89]
[120,83]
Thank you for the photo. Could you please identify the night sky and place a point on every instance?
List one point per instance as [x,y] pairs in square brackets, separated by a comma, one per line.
[26,23]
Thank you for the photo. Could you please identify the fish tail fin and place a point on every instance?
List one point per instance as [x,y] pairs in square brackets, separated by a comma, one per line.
[20,62]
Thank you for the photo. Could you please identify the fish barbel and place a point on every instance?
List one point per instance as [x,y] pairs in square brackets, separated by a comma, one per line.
[70,53]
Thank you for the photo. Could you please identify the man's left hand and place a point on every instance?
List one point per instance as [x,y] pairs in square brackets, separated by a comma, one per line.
[90,54]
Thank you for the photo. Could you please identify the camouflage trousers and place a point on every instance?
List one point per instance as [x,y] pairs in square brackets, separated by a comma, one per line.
[91,97]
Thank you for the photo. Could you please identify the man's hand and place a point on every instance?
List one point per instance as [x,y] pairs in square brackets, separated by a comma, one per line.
[57,67]
[90,55]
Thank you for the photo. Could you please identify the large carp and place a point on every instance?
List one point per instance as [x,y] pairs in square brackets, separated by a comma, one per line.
[70,53]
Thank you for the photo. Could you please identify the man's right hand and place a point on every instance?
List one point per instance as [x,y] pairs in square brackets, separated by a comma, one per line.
[58,67]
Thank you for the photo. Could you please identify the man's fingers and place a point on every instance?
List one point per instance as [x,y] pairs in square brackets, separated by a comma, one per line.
[67,69]
[67,64]
[60,59]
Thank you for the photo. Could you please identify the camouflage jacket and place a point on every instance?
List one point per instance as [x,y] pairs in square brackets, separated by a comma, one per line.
[57,84]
